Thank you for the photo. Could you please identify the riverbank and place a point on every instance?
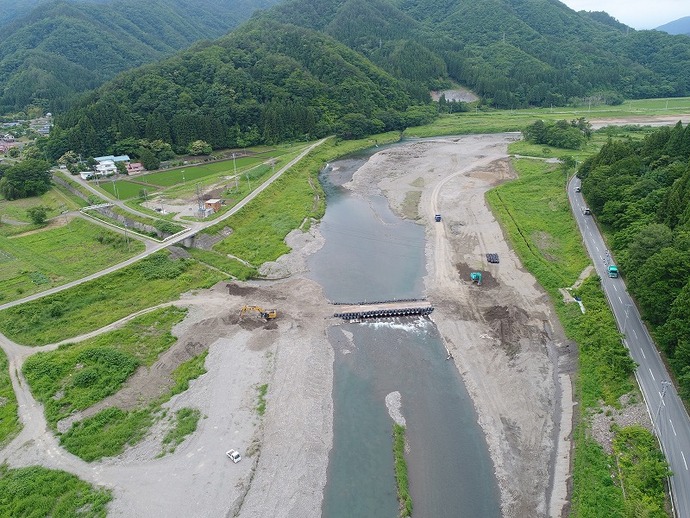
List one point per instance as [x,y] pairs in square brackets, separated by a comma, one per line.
[503,335]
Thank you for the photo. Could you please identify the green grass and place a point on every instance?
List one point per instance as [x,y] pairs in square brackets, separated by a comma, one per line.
[186,372]
[102,301]
[38,492]
[106,434]
[232,267]
[54,256]
[198,172]
[542,230]
[76,376]
[9,419]
[171,228]
[404,498]
[124,189]
[55,200]
[261,405]
[186,420]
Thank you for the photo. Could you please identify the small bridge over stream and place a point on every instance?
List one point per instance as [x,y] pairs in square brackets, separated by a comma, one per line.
[388,308]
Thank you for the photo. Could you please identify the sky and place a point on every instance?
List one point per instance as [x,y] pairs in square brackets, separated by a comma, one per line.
[638,14]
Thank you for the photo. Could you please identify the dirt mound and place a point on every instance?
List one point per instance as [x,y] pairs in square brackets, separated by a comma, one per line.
[488,280]
[240,291]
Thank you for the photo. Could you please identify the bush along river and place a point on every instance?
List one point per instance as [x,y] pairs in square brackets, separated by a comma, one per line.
[370,254]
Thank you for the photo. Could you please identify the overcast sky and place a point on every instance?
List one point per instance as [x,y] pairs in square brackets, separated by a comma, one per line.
[638,14]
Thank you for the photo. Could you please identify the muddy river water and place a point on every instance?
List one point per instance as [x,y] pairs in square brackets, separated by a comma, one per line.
[370,254]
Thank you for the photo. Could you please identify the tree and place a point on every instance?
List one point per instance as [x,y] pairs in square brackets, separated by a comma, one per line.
[148,159]
[199,147]
[30,177]
[38,214]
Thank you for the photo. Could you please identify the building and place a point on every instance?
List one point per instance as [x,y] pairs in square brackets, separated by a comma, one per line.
[134,167]
[213,204]
[106,168]
[112,158]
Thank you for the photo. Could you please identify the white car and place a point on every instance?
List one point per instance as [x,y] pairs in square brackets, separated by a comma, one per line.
[234,455]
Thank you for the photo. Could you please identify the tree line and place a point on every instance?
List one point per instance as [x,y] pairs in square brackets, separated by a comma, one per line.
[640,192]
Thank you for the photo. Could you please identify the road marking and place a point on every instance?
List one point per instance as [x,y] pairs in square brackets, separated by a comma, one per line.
[673,428]
[686,464]
[634,333]
[619,298]
[643,354]
[650,372]
[660,396]
[616,289]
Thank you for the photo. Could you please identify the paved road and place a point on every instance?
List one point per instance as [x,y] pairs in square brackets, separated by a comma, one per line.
[195,228]
[669,416]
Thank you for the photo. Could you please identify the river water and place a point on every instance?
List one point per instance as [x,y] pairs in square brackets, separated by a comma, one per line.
[371,255]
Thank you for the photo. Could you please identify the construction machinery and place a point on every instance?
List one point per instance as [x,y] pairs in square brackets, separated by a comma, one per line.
[476,277]
[266,314]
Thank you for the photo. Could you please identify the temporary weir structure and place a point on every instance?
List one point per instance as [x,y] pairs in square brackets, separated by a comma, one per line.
[396,308]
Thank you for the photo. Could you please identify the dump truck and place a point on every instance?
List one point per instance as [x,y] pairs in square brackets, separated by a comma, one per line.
[613,271]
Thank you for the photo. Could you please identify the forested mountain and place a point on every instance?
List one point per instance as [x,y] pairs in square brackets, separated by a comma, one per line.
[641,192]
[511,52]
[62,48]
[268,82]
[679,26]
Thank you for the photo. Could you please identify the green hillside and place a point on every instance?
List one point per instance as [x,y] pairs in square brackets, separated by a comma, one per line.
[268,82]
[62,48]
[514,53]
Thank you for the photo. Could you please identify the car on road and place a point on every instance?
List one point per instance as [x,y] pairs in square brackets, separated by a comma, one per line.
[234,455]
[578,189]
[437,218]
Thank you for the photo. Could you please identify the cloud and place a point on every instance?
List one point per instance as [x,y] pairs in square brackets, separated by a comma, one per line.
[639,14]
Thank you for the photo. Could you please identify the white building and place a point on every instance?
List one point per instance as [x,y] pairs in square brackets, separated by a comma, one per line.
[105,168]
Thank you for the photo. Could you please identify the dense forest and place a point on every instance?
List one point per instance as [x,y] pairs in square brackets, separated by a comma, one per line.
[270,82]
[63,48]
[640,192]
[253,86]
[513,53]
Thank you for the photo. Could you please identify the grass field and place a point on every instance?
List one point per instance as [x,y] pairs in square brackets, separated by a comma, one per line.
[102,301]
[85,373]
[9,421]
[197,172]
[40,492]
[54,200]
[495,121]
[125,190]
[54,256]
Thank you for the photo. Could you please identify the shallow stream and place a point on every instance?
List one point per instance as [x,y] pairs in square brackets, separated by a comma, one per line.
[370,254]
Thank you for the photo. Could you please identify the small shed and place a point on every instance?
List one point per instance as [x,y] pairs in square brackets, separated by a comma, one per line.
[213,203]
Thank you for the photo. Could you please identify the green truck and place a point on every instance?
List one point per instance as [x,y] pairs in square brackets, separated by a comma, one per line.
[613,271]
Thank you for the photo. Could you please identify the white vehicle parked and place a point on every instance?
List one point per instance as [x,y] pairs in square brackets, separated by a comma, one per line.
[234,455]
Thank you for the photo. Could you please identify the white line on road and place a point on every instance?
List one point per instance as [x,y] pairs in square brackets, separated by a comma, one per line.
[652,374]
[660,396]
[686,464]
[673,428]
[643,354]
[634,333]
[619,298]
[616,289]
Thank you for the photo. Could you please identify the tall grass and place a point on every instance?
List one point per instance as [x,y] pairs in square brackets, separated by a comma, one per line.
[102,301]
[37,491]
[404,498]
[9,420]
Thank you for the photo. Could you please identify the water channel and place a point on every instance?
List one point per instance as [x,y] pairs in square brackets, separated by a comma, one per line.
[370,254]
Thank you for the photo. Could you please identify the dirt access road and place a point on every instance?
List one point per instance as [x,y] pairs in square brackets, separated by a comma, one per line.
[503,337]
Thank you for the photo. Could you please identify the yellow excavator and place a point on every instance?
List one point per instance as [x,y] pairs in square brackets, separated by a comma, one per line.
[267,314]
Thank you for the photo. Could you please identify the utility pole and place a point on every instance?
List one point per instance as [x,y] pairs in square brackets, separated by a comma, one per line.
[199,201]
[234,167]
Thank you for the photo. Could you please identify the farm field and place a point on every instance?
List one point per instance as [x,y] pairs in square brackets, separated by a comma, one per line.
[124,189]
[46,258]
[54,200]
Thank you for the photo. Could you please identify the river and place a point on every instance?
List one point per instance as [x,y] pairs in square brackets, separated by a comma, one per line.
[370,254]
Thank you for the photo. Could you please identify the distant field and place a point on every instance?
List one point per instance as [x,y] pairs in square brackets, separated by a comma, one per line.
[124,190]
[494,121]
[51,257]
[192,173]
